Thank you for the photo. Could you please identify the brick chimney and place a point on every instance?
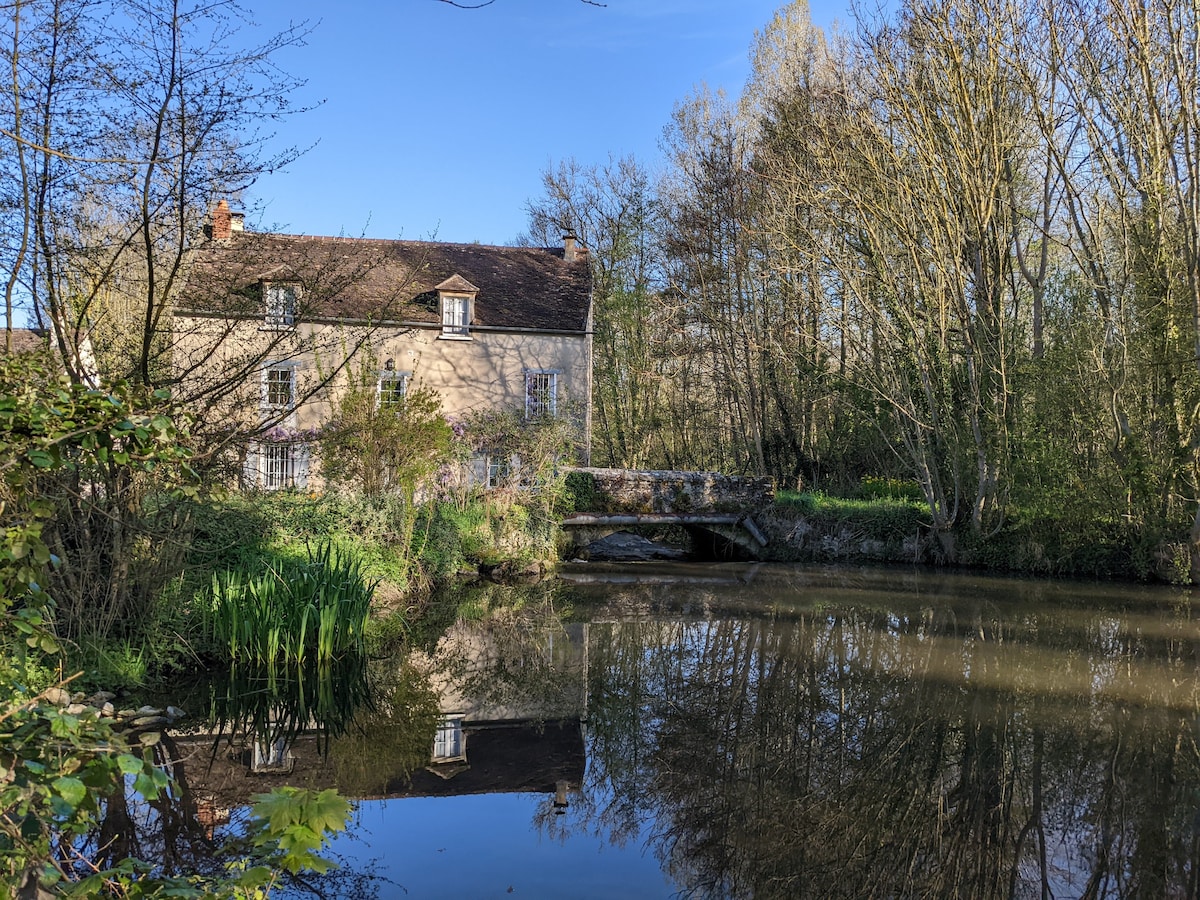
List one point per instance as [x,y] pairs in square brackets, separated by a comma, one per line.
[569,247]
[222,222]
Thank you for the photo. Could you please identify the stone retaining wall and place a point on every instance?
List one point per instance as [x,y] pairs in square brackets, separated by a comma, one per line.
[651,491]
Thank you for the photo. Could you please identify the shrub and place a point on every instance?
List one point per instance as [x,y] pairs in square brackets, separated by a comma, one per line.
[580,494]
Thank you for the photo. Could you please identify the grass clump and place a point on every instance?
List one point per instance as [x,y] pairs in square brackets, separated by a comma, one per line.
[291,611]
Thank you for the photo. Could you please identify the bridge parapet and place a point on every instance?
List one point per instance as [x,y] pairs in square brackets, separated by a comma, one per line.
[654,491]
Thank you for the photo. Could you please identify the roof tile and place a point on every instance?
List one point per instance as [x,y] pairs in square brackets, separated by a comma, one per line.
[361,278]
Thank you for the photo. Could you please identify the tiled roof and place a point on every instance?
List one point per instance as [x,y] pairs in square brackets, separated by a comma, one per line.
[359,278]
[456,284]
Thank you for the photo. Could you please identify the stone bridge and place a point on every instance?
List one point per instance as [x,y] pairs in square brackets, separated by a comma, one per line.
[612,500]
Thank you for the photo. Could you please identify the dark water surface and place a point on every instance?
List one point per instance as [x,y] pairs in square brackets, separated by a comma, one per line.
[761,731]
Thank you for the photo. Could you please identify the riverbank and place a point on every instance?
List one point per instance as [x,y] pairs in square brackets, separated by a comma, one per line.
[817,528]
[405,554]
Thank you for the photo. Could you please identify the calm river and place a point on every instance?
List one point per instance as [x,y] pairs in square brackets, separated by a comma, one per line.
[753,731]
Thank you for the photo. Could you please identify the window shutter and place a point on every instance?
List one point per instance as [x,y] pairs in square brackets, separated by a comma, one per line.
[300,457]
[251,469]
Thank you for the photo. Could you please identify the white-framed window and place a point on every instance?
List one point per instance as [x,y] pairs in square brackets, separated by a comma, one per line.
[499,467]
[541,393]
[392,387]
[278,387]
[272,757]
[277,465]
[448,743]
[456,315]
[280,300]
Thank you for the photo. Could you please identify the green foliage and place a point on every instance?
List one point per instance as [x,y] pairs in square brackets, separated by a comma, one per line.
[60,774]
[400,727]
[580,494]
[873,487]
[114,664]
[79,468]
[60,771]
[878,519]
[290,825]
[378,448]
[823,527]
[539,448]
[56,772]
[316,607]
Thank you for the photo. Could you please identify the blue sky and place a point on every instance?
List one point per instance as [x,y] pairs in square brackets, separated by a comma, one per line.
[437,121]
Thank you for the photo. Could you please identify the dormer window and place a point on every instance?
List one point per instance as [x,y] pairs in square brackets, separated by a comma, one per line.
[456,315]
[280,299]
[456,297]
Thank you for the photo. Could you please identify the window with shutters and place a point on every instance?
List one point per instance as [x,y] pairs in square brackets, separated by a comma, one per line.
[277,465]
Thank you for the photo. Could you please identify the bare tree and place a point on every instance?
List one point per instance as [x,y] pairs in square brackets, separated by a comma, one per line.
[613,209]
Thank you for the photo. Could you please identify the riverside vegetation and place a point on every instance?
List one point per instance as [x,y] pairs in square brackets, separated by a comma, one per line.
[943,269]
[108,481]
[199,577]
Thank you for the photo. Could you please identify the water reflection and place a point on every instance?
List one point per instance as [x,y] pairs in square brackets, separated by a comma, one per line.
[856,739]
[774,732]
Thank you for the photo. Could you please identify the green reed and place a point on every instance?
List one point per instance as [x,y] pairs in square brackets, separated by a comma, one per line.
[292,611]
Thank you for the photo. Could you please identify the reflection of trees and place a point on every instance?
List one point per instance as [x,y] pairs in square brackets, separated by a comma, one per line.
[891,751]
[514,658]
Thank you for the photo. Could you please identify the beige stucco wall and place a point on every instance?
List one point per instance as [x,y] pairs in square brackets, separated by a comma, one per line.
[486,371]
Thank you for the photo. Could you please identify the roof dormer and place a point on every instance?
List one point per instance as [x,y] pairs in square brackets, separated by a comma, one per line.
[456,298]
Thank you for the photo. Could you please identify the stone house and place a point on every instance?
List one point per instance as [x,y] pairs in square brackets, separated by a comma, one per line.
[272,327]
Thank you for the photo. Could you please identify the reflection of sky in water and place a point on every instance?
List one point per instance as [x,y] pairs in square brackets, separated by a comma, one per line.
[812,734]
[481,846]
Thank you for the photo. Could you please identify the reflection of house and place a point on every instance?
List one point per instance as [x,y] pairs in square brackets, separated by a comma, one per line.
[497,734]
[529,757]
[496,690]
[279,315]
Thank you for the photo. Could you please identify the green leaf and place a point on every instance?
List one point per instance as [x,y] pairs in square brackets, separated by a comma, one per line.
[71,790]
[328,811]
[130,764]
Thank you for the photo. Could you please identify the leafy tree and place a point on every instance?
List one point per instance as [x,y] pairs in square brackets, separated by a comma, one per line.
[613,209]
[384,444]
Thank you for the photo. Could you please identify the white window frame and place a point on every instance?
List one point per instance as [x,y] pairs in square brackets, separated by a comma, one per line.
[533,401]
[277,465]
[449,743]
[456,315]
[498,469]
[273,758]
[280,299]
[288,369]
[397,393]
